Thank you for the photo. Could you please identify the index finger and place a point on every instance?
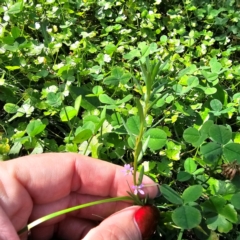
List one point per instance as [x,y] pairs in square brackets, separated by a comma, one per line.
[51,176]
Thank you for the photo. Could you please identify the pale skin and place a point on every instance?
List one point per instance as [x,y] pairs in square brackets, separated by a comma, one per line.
[37,185]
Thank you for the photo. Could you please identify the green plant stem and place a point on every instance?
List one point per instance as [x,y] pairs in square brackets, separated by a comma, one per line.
[180,235]
[69,123]
[139,139]
[88,143]
[71,209]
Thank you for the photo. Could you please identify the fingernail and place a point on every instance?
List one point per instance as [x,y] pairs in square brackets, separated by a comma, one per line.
[146,218]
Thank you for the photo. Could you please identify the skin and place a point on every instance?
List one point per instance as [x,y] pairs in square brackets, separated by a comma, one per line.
[36,185]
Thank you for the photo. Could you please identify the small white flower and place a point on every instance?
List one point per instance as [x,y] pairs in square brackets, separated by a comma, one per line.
[37,25]
[106,58]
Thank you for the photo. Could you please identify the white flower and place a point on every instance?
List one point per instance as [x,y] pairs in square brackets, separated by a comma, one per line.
[106,58]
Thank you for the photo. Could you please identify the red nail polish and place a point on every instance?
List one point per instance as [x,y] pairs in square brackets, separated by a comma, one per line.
[147,218]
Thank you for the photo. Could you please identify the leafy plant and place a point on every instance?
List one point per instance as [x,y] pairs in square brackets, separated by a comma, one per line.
[150,82]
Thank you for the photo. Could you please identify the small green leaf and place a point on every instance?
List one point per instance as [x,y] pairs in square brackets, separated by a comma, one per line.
[77,103]
[143,150]
[54,99]
[67,113]
[173,151]
[104,98]
[171,195]
[82,136]
[35,127]
[177,88]
[210,90]
[12,68]
[141,174]
[219,214]
[210,76]
[16,8]
[190,165]
[193,81]
[183,176]
[235,200]
[216,105]
[118,75]
[220,134]
[206,127]
[211,151]
[132,54]
[188,70]
[191,135]
[192,193]
[231,152]
[133,125]
[110,49]
[158,138]
[215,65]
[11,108]
[186,217]
[125,99]
[15,32]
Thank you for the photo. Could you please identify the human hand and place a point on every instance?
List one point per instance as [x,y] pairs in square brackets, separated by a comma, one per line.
[37,185]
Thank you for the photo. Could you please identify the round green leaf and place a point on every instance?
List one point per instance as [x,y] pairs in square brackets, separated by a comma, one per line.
[211,151]
[171,195]
[158,138]
[82,136]
[192,81]
[186,217]
[210,91]
[54,99]
[183,176]
[67,113]
[117,75]
[192,193]
[190,165]
[163,39]
[133,124]
[104,98]
[215,65]
[35,127]
[177,88]
[11,108]
[235,200]
[220,134]
[216,105]
[231,152]
[191,135]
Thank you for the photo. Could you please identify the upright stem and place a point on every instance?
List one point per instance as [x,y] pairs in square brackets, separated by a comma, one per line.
[139,138]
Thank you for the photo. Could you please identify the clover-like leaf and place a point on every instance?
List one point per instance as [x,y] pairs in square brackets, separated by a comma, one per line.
[219,215]
[231,152]
[220,134]
[211,151]
[118,75]
[158,138]
[192,193]
[67,113]
[186,217]
[35,127]
[190,165]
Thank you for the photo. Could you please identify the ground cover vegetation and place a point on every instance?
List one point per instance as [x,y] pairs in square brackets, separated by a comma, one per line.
[157,81]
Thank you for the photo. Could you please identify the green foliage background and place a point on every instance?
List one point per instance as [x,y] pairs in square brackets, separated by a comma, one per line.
[70,74]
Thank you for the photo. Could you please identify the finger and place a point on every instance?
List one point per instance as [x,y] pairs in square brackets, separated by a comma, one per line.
[7,231]
[118,226]
[70,228]
[51,176]
[96,212]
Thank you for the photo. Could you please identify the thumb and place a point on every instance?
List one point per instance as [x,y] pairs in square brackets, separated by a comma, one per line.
[120,225]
